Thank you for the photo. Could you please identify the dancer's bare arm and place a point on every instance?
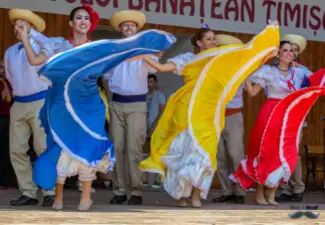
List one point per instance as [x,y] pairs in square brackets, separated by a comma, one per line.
[33,58]
[167,67]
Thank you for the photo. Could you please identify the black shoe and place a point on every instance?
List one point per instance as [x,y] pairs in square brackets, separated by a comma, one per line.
[24,201]
[297,197]
[135,200]
[284,198]
[239,199]
[312,207]
[118,200]
[48,200]
[224,198]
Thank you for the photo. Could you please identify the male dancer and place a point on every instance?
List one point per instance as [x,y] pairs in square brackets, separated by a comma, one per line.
[231,146]
[29,93]
[128,111]
[294,190]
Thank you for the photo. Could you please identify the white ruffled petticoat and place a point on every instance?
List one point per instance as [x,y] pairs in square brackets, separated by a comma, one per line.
[67,167]
[186,168]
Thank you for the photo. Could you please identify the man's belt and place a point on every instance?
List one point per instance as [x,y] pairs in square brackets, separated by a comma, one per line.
[129,98]
[31,98]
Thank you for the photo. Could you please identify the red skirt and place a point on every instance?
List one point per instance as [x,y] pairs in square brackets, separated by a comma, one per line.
[273,145]
[246,173]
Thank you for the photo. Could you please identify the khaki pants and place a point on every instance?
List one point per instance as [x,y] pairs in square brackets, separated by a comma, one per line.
[128,131]
[150,178]
[230,153]
[23,122]
[295,184]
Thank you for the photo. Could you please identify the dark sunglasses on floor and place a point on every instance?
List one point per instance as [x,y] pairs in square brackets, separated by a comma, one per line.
[308,214]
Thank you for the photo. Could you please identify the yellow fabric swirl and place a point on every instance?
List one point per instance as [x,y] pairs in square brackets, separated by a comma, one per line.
[104,99]
[211,81]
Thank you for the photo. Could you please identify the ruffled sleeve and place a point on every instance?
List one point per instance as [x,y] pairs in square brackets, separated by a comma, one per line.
[50,46]
[261,76]
[181,60]
[55,46]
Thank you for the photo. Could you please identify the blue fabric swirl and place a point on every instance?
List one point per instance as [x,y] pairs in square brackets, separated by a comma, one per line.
[73,114]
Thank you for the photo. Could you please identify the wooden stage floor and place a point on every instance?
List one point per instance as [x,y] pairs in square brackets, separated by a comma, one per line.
[158,208]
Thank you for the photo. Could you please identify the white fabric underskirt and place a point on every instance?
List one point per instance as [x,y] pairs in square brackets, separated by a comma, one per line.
[186,168]
[67,167]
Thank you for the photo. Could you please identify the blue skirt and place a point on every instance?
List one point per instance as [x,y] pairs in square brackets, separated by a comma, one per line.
[73,114]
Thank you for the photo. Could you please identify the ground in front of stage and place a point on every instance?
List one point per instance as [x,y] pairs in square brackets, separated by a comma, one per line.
[158,208]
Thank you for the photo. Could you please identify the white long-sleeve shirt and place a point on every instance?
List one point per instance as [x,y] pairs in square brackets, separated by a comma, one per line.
[24,77]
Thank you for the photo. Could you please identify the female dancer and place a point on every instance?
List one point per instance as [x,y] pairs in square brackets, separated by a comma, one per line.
[267,168]
[184,144]
[204,39]
[83,21]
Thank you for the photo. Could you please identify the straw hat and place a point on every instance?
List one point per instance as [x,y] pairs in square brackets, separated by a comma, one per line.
[296,39]
[27,15]
[224,39]
[128,16]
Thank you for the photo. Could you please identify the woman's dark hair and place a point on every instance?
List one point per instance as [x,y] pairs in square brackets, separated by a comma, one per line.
[276,60]
[73,12]
[198,36]
[284,42]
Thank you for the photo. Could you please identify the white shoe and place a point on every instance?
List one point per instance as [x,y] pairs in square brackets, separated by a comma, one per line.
[156,184]
[85,206]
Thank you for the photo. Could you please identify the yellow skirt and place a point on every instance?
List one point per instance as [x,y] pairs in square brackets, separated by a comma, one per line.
[211,81]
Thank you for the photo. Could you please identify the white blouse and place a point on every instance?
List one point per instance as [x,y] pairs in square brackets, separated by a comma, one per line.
[50,46]
[277,85]
[181,60]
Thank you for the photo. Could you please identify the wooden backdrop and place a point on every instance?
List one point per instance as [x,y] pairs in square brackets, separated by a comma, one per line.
[313,58]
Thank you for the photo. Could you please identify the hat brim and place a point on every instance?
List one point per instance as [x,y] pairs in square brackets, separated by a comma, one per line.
[296,39]
[128,16]
[27,15]
[224,39]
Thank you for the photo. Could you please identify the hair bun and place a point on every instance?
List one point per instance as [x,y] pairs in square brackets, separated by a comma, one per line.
[199,34]
[193,41]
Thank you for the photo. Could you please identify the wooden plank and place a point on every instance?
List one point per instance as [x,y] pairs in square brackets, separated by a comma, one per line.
[316,149]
